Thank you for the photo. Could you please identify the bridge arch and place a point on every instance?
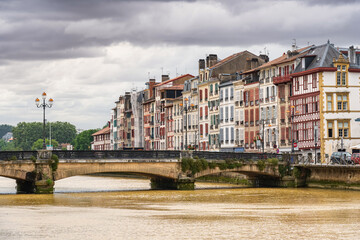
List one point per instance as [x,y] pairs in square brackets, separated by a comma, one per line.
[250,170]
[167,170]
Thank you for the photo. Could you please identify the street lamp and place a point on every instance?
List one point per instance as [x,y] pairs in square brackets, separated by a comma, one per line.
[292,129]
[185,108]
[44,105]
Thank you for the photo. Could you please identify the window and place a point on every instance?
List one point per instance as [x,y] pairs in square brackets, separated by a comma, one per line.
[314,80]
[330,129]
[305,84]
[343,128]
[342,101]
[329,100]
[296,84]
[341,75]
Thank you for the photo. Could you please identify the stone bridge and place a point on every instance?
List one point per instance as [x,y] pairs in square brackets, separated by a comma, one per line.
[344,176]
[34,171]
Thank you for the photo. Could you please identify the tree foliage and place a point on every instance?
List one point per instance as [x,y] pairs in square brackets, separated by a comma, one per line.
[39,144]
[25,134]
[4,128]
[63,132]
[8,146]
[83,140]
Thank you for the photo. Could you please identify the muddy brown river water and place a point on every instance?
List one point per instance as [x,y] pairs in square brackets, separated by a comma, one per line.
[88,207]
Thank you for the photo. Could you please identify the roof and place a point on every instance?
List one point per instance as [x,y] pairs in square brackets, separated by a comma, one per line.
[282,59]
[171,80]
[319,56]
[176,87]
[225,60]
[102,131]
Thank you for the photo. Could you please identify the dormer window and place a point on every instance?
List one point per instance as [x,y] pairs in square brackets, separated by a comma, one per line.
[341,75]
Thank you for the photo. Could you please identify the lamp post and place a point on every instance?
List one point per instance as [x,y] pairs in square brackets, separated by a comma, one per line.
[185,108]
[44,105]
[292,112]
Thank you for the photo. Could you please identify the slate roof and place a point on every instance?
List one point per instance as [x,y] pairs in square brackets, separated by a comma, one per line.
[320,56]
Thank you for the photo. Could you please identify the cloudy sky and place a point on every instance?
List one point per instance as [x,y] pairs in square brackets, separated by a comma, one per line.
[85,53]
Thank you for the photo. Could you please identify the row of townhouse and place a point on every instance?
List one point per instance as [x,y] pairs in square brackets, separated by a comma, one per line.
[299,102]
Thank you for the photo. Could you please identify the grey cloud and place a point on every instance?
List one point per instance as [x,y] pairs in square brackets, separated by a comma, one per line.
[57,29]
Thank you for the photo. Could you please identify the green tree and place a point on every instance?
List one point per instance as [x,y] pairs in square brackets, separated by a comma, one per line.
[39,144]
[25,134]
[8,146]
[63,132]
[4,128]
[83,140]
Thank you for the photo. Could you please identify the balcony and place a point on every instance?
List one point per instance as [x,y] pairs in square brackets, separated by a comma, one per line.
[282,143]
[281,79]
[282,121]
[251,123]
[246,124]
[237,103]
[282,100]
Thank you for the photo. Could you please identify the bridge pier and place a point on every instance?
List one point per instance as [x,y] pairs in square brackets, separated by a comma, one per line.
[39,186]
[172,184]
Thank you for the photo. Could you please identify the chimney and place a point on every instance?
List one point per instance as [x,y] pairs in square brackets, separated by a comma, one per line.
[201,64]
[254,63]
[164,78]
[151,86]
[265,57]
[207,61]
[352,55]
[212,60]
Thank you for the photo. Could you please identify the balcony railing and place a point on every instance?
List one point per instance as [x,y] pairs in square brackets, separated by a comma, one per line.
[281,79]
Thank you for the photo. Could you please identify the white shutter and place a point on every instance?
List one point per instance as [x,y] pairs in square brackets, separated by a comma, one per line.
[261,93]
[241,134]
[241,115]
[236,115]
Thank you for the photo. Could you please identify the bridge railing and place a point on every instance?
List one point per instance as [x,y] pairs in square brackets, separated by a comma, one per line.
[235,155]
[17,155]
[133,154]
[117,154]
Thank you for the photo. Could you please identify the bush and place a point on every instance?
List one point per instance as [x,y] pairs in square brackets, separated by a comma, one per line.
[212,165]
[222,166]
[282,170]
[13,158]
[54,162]
[49,181]
[261,165]
[296,172]
[33,158]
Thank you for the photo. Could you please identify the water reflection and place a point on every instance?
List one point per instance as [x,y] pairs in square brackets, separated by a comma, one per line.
[248,213]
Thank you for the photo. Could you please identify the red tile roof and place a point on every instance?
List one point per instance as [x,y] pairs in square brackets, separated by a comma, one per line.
[171,80]
[102,131]
[279,60]
[176,87]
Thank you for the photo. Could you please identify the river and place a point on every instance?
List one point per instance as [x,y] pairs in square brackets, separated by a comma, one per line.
[89,207]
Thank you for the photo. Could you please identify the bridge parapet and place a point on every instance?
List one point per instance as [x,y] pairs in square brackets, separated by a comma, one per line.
[117,154]
[17,155]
